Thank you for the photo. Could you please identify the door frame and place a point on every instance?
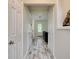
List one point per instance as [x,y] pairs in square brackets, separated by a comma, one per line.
[52,5]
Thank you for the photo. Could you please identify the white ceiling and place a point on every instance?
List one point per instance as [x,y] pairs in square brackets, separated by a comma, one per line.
[39,13]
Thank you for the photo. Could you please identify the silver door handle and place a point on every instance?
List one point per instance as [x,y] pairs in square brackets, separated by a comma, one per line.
[11,42]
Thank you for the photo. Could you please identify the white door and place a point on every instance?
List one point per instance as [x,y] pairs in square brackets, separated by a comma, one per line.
[14,29]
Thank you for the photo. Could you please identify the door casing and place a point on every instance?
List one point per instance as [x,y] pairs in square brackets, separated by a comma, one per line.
[51,24]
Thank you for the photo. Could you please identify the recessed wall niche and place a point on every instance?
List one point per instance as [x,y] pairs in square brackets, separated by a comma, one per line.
[62,8]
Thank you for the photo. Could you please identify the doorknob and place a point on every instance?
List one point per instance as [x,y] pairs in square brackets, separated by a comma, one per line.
[11,42]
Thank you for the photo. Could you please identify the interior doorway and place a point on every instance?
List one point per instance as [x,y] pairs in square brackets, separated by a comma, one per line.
[38,22]
[39,16]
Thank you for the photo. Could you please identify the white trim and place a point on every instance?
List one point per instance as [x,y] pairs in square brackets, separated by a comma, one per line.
[54,24]
[22,29]
[53,20]
[63,28]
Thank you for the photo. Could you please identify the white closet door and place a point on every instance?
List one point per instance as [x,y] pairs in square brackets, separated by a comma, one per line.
[15,29]
[11,30]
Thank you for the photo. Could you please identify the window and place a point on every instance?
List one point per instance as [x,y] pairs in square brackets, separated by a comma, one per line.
[39,27]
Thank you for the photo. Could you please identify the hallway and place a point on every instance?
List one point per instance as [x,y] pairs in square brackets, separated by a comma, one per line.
[38,23]
[38,19]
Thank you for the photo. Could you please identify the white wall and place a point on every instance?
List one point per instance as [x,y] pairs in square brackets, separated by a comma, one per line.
[63,6]
[62,44]
[62,36]
[26,29]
